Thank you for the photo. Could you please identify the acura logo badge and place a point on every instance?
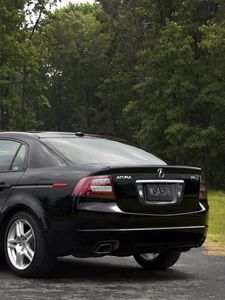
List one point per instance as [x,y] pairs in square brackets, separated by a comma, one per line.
[161,172]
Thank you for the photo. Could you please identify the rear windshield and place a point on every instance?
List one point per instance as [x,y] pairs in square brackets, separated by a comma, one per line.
[89,150]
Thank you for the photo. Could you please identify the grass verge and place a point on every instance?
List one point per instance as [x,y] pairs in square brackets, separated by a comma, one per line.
[215,242]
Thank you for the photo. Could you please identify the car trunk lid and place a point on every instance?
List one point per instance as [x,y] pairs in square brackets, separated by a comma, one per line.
[156,189]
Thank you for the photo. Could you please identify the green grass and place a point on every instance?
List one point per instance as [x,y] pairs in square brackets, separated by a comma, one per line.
[215,242]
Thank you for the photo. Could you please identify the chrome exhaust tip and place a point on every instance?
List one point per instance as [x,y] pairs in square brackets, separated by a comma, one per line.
[106,247]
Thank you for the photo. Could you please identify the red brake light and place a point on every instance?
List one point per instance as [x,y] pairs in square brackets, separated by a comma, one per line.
[96,187]
[202,190]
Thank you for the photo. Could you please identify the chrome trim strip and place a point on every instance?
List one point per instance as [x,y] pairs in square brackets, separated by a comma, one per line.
[159,181]
[32,186]
[147,229]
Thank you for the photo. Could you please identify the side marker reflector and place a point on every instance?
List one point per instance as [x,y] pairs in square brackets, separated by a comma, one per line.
[59,185]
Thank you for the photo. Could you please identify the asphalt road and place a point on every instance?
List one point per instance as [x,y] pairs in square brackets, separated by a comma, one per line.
[195,276]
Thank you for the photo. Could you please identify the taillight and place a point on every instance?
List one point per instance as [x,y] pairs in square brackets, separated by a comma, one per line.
[202,190]
[96,187]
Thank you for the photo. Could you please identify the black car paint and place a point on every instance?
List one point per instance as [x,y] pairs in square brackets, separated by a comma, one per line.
[74,225]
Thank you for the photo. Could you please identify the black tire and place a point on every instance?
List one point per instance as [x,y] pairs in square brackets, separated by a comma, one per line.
[43,262]
[162,261]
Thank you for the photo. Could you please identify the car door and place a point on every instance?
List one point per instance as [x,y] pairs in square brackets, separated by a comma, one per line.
[12,166]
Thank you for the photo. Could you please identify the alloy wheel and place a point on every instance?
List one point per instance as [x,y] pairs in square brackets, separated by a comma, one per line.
[21,244]
[149,256]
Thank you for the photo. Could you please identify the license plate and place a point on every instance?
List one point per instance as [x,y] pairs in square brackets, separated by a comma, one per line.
[162,193]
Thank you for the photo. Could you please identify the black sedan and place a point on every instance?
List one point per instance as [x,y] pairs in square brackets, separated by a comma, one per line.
[90,196]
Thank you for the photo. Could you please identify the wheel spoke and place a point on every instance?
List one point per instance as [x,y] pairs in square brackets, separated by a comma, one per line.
[28,235]
[29,253]
[19,259]
[12,244]
[19,229]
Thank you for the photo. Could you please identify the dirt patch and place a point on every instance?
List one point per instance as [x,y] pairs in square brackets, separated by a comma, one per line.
[214,246]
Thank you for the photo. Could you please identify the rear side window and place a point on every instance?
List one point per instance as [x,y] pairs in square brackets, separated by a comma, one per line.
[90,150]
[8,150]
[43,157]
[19,161]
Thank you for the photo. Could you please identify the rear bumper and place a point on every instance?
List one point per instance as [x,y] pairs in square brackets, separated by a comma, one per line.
[130,242]
[128,233]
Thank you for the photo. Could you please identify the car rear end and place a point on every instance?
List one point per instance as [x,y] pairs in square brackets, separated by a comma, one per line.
[125,211]
[129,201]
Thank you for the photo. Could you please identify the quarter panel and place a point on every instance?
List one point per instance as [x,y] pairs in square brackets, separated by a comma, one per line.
[53,207]
[25,199]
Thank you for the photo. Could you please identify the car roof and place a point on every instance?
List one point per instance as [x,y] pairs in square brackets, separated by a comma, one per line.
[49,134]
[17,135]
[37,134]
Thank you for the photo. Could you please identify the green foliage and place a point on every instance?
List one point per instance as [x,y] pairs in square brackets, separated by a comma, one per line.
[179,93]
[149,71]
[76,41]
[21,90]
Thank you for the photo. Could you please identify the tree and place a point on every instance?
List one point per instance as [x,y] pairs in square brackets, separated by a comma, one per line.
[149,71]
[76,40]
[21,58]
[11,18]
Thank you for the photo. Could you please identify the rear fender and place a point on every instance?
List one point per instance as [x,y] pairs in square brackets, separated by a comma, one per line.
[23,201]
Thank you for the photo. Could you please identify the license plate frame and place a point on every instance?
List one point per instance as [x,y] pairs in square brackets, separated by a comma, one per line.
[173,190]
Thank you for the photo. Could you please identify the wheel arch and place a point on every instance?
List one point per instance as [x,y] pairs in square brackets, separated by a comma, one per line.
[32,207]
